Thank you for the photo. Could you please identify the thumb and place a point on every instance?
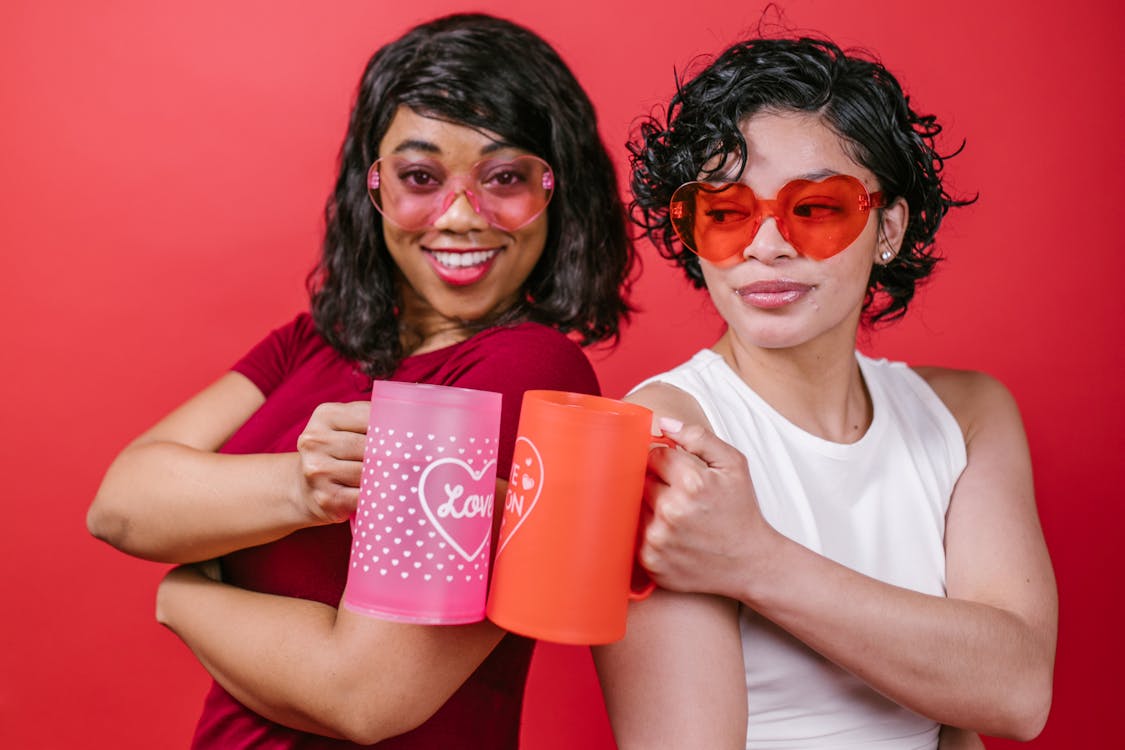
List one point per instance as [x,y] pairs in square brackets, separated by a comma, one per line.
[701,442]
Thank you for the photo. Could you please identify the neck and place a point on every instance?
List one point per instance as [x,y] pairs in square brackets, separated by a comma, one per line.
[419,340]
[421,328]
[817,386]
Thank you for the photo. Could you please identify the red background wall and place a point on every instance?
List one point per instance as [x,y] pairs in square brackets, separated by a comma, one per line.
[162,173]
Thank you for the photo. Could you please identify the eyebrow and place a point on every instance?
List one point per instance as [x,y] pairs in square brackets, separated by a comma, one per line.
[818,174]
[428,147]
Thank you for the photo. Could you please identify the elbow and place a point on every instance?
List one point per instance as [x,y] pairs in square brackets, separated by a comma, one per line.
[116,524]
[1031,720]
[365,726]
[355,730]
[362,733]
[368,715]
[106,524]
[116,528]
[113,515]
[362,725]
[1025,711]
[370,686]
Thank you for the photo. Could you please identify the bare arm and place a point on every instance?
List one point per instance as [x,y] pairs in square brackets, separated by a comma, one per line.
[317,669]
[170,497]
[981,658]
[676,680]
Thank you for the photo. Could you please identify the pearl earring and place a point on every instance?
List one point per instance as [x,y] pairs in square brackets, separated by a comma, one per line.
[886,256]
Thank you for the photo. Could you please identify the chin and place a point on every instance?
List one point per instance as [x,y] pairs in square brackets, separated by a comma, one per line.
[779,336]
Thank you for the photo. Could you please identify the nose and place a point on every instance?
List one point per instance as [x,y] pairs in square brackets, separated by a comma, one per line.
[768,244]
[461,215]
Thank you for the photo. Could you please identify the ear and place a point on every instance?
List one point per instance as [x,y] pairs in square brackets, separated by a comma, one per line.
[892,229]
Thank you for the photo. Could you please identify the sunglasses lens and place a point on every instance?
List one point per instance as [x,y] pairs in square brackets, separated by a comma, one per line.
[716,222]
[823,218]
[819,219]
[507,193]
[512,192]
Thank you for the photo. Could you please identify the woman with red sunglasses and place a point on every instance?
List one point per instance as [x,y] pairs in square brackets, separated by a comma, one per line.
[475,222]
[848,548]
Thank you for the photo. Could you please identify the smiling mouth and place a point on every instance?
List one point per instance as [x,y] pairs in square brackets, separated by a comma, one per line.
[462,259]
[464,267]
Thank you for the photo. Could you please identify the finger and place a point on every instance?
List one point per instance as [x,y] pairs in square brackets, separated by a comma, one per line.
[660,457]
[654,485]
[346,502]
[350,417]
[653,543]
[677,468]
[644,519]
[347,446]
[321,470]
[345,472]
[354,416]
[338,430]
[334,502]
[701,443]
[647,555]
[658,460]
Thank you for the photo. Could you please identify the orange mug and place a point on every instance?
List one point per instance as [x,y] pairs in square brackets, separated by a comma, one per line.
[567,540]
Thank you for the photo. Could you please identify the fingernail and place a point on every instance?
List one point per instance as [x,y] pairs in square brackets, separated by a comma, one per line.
[668,424]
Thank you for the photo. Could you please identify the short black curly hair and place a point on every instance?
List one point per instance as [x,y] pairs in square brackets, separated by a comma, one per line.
[853,93]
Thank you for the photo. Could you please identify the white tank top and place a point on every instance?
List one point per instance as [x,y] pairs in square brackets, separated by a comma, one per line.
[877,506]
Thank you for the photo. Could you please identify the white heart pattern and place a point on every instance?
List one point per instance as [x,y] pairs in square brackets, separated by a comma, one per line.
[454,496]
[458,501]
[527,473]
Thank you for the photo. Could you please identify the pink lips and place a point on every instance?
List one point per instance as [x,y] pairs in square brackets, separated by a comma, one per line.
[769,295]
[461,267]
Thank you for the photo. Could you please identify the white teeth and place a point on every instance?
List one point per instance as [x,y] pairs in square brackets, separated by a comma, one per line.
[463,260]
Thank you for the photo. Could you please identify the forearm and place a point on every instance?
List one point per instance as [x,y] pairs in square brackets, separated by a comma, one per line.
[307,666]
[964,663]
[173,503]
[223,626]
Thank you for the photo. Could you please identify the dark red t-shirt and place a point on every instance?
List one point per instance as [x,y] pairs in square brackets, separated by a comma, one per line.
[297,371]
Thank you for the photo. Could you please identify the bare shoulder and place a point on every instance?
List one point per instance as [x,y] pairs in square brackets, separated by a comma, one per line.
[972,397]
[667,400]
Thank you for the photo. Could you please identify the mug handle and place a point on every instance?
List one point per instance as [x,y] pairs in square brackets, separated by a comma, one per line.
[641,586]
[640,574]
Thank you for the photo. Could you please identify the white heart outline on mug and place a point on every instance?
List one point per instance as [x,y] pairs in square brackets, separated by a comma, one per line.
[505,538]
[476,475]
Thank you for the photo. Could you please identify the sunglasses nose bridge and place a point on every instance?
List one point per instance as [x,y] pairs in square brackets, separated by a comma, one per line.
[770,240]
[452,214]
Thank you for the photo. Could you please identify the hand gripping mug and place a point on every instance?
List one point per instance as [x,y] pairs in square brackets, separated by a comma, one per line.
[422,527]
[567,540]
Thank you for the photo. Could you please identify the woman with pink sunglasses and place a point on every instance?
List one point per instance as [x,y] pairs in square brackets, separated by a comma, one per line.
[849,548]
[475,223]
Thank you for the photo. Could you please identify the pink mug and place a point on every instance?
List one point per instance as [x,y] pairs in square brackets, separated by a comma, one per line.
[423,525]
